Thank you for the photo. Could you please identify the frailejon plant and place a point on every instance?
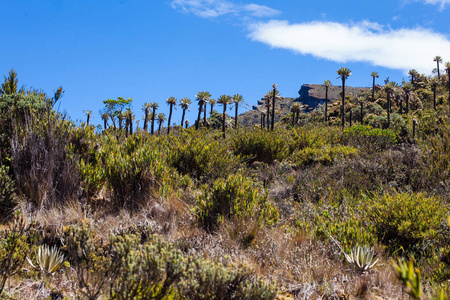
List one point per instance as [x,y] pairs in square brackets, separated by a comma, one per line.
[48,260]
[362,257]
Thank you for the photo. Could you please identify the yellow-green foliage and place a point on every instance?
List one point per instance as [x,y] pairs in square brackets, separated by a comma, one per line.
[326,155]
[234,197]
[409,276]
[260,145]
[405,219]
[7,196]
[13,249]
[368,138]
[350,232]
[201,155]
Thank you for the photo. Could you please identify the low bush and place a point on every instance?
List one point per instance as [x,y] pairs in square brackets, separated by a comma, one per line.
[326,155]
[8,199]
[404,220]
[234,197]
[368,138]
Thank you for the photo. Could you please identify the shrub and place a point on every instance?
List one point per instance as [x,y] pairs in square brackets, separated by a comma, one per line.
[208,280]
[405,219]
[368,138]
[234,197]
[200,155]
[13,249]
[260,145]
[326,155]
[8,198]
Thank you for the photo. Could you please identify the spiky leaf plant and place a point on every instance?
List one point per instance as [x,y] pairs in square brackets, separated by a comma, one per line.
[362,257]
[48,260]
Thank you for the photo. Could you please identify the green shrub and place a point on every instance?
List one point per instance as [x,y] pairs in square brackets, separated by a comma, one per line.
[208,280]
[326,155]
[405,219]
[368,138]
[234,197]
[202,156]
[260,145]
[8,198]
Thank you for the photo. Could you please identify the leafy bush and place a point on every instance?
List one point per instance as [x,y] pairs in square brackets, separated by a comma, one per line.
[234,197]
[200,155]
[370,139]
[8,198]
[208,280]
[260,145]
[326,155]
[405,219]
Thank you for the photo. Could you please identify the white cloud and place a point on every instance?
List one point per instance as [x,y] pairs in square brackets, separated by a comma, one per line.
[442,3]
[402,49]
[216,8]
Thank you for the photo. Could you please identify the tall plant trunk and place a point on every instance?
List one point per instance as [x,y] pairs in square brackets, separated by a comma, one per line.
[439,74]
[146,120]
[127,123]
[159,128]
[361,112]
[326,104]
[273,108]
[268,115]
[373,89]
[87,121]
[389,110]
[105,123]
[293,118]
[350,118]
[131,124]
[182,117]
[153,121]
[343,103]
[212,105]
[236,116]
[204,113]
[200,106]
[223,119]
[170,118]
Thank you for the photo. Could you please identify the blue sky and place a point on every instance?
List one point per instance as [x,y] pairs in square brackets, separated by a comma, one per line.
[149,50]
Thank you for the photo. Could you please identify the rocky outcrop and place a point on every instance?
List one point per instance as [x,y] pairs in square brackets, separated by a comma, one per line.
[314,94]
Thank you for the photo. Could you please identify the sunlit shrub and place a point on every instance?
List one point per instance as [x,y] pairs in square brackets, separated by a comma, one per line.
[405,219]
[237,197]
[370,139]
[326,155]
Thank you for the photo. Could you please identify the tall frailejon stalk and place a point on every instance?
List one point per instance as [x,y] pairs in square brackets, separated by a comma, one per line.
[238,101]
[171,101]
[154,106]
[184,103]
[161,119]
[105,118]
[327,85]
[212,102]
[88,116]
[146,108]
[390,89]
[224,100]
[407,88]
[201,97]
[343,73]
[438,60]
[274,95]
[413,73]
[374,75]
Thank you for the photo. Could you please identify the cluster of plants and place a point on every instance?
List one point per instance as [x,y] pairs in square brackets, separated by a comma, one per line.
[283,209]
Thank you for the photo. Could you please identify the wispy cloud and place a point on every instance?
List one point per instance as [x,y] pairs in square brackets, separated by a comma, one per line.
[402,49]
[441,3]
[216,8]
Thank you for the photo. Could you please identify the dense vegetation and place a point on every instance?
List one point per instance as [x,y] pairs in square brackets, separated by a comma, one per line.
[352,207]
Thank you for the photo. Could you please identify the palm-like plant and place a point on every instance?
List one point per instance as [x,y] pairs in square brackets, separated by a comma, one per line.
[184,103]
[295,109]
[390,90]
[146,108]
[212,102]
[413,73]
[327,85]
[154,106]
[171,101]
[374,75]
[105,118]
[161,119]
[202,97]
[274,94]
[88,116]
[238,101]
[343,73]
[438,60]
[407,88]
[224,100]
